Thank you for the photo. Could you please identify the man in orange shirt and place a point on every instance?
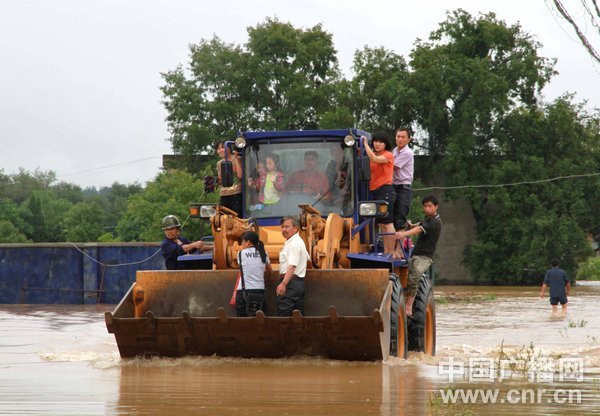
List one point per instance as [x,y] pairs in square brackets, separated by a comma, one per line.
[309,181]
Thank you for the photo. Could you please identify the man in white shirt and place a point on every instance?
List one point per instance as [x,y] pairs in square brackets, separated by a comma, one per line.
[403,177]
[292,267]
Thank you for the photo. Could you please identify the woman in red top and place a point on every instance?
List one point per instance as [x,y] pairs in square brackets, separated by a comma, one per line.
[382,172]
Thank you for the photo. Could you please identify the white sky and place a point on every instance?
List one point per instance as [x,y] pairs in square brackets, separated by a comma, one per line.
[80,78]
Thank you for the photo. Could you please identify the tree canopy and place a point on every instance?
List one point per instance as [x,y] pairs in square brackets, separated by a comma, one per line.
[470,73]
[169,194]
[521,227]
[281,79]
[35,208]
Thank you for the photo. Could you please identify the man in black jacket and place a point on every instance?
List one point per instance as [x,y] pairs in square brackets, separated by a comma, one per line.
[428,230]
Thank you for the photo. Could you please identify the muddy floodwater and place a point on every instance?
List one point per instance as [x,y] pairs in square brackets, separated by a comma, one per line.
[499,351]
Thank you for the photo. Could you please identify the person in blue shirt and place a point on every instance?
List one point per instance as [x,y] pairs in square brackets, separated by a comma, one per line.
[174,245]
[558,281]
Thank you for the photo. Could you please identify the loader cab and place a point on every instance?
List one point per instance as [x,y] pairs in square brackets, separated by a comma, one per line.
[318,175]
[283,170]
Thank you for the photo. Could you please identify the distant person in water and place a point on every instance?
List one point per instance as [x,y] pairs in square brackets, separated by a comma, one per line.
[558,281]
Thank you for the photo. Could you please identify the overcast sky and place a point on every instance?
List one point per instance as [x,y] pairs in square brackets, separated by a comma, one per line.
[80,78]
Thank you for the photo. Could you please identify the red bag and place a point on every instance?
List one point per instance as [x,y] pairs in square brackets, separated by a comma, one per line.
[237,282]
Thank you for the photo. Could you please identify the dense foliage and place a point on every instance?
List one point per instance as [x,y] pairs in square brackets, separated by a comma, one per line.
[471,92]
[281,79]
[169,193]
[589,270]
[35,208]
[521,227]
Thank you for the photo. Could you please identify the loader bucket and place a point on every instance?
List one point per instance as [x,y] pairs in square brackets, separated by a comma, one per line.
[177,313]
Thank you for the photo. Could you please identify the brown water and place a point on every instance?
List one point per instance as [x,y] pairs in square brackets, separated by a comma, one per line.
[60,360]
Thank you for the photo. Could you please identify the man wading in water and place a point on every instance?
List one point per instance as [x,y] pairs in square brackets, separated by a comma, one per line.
[559,284]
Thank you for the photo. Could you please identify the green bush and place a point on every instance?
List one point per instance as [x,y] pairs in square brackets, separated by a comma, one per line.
[590,270]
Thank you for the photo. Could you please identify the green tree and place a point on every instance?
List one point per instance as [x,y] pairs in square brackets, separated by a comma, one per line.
[36,218]
[11,234]
[293,70]
[13,224]
[521,227]
[283,78]
[379,95]
[112,201]
[68,191]
[476,83]
[83,222]
[169,193]
[18,187]
[469,74]
[589,270]
[44,212]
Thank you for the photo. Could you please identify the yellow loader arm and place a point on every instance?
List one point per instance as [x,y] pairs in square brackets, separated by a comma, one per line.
[227,229]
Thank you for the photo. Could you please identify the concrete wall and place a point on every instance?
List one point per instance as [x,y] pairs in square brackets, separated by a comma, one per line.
[459,230]
[64,273]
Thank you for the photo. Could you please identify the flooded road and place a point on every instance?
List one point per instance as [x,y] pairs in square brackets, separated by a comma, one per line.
[499,351]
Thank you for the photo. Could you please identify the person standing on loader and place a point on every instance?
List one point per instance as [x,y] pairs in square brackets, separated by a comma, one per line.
[403,176]
[292,268]
[254,262]
[174,245]
[231,196]
[380,186]
[559,284]
[428,230]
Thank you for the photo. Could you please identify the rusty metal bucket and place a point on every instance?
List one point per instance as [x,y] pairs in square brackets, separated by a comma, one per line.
[177,313]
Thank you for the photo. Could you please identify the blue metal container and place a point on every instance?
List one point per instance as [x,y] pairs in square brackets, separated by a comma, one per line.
[64,273]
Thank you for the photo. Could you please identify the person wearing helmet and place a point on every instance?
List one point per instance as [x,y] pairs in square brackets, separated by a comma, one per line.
[174,245]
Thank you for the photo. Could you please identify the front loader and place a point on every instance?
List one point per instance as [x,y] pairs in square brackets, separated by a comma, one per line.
[354,302]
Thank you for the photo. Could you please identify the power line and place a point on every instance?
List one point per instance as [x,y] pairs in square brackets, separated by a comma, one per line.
[584,175]
[131,162]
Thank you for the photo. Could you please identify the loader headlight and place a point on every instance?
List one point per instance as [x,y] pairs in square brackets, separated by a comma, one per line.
[240,142]
[349,140]
[207,211]
[373,209]
[202,210]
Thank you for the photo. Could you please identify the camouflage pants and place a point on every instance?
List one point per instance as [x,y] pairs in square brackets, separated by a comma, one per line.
[417,265]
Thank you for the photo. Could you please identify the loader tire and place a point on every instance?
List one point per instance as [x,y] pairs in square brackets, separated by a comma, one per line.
[421,326]
[398,334]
